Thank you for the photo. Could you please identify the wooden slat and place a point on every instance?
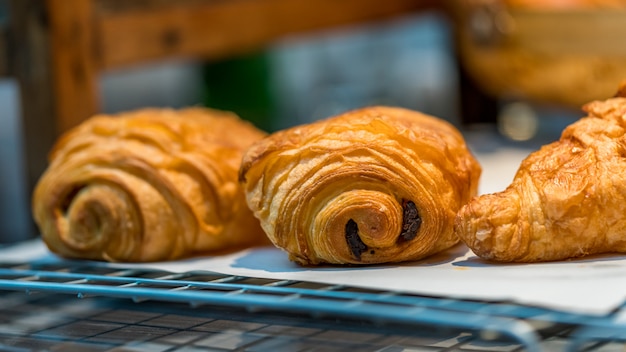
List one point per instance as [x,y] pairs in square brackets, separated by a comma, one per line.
[74,61]
[214,29]
[31,67]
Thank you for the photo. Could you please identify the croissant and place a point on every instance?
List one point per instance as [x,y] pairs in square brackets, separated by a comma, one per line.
[567,199]
[147,185]
[374,185]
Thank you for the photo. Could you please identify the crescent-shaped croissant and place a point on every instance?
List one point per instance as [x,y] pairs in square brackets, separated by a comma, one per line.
[567,199]
[147,185]
[374,185]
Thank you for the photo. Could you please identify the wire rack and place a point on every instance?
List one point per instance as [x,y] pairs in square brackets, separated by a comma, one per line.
[525,326]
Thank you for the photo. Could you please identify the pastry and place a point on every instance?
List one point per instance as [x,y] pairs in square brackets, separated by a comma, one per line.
[147,185]
[536,50]
[567,199]
[374,185]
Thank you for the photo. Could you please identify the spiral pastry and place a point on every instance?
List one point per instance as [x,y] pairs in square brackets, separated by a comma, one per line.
[147,185]
[374,185]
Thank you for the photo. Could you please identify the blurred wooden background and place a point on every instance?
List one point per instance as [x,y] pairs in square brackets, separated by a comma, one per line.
[57,49]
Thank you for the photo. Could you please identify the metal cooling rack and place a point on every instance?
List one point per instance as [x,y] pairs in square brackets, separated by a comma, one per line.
[525,326]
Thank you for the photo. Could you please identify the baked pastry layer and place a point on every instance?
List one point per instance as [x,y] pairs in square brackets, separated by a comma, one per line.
[374,185]
[147,185]
[568,199]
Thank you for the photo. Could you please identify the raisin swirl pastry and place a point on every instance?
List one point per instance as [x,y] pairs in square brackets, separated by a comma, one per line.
[147,185]
[374,185]
[567,199]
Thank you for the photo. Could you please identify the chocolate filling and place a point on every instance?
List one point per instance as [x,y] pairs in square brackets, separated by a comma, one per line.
[411,221]
[354,241]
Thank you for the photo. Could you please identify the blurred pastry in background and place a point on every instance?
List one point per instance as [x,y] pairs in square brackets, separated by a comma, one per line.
[147,185]
[568,199]
[560,52]
[373,185]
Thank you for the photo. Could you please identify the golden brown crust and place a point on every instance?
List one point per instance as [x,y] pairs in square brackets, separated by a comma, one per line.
[340,190]
[566,200]
[147,185]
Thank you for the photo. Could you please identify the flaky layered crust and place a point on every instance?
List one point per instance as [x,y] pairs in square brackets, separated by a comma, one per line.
[568,199]
[147,185]
[374,185]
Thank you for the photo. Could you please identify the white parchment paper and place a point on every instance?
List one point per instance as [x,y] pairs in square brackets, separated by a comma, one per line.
[594,285]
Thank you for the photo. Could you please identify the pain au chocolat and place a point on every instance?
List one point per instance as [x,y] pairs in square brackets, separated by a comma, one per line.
[147,185]
[373,185]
